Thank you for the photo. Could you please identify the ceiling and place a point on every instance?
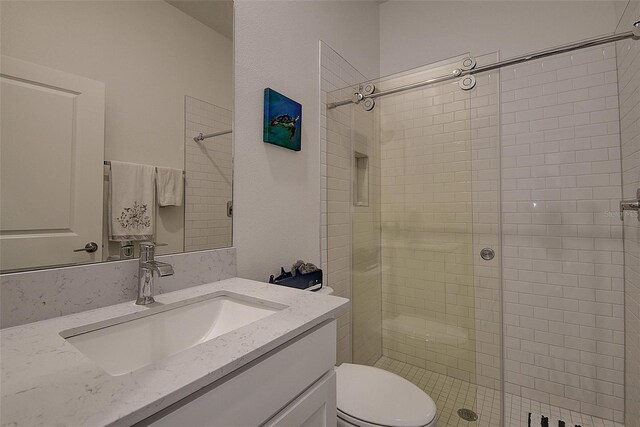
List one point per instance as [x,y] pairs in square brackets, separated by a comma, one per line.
[215,14]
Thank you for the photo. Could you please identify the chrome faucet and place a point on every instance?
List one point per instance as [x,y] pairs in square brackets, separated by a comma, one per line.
[147,266]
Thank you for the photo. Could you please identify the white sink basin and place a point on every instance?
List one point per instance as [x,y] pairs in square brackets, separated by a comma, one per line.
[124,344]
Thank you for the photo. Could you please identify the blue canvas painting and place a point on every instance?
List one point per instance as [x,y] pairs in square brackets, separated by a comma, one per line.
[282,120]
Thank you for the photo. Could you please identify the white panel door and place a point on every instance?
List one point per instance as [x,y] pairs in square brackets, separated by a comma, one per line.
[51,166]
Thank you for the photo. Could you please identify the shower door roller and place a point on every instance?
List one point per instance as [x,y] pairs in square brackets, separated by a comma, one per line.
[468,64]
[487,254]
[368,104]
[368,89]
[468,82]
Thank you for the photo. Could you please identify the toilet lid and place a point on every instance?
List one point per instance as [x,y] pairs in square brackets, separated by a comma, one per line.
[380,397]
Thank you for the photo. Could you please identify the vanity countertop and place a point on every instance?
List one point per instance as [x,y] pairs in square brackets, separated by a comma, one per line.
[47,381]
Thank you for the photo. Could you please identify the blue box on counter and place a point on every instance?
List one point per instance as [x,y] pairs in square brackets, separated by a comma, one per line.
[311,281]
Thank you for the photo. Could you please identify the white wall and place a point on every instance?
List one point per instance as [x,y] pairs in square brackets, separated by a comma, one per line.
[149,54]
[277,191]
[415,33]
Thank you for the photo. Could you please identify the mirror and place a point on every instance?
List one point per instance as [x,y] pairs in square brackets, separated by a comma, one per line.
[87,85]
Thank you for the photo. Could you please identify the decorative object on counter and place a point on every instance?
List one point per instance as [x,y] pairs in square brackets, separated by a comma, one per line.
[282,120]
[303,275]
[303,267]
[131,201]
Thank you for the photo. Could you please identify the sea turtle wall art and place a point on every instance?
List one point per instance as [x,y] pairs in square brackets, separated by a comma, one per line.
[282,120]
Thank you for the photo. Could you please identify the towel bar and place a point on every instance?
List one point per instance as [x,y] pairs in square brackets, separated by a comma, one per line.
[108,163]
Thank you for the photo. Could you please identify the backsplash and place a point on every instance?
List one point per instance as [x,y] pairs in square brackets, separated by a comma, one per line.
[38,295]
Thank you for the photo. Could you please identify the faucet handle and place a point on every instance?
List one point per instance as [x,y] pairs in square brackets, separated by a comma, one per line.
[148,249]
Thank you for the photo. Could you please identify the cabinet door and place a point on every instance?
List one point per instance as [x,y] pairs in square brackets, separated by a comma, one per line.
[258,391]
[316,407]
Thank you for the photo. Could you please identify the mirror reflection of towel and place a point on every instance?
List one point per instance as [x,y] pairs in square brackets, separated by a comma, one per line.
[131,201]
[169,186]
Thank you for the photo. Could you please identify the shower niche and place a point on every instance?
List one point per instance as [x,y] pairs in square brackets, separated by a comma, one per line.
[360,179]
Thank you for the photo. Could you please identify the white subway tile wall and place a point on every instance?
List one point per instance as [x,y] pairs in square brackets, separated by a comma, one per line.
[209,177]
[349,262]
[562,238]
[628,56]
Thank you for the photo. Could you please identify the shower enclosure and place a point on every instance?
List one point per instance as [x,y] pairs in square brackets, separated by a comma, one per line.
[475,220]
[424,199]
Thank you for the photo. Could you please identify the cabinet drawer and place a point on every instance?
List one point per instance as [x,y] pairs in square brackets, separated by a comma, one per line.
[258,391]
[316,407]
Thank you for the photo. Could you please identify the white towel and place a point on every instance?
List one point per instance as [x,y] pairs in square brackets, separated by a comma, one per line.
[131,201]
[169,186]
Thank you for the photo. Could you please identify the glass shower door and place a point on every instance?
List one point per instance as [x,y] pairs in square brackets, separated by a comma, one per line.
[426,225]
[424,201]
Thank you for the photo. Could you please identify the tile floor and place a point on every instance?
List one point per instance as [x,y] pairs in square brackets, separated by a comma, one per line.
[517,411]
[451,394]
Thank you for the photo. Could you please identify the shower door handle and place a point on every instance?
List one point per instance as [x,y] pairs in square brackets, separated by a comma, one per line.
[487,254]
[630,205]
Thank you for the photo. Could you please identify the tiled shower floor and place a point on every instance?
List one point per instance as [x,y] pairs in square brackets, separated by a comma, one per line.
[451,394]
[517,411]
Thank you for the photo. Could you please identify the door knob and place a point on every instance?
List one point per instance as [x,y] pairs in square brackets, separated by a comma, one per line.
[89,247]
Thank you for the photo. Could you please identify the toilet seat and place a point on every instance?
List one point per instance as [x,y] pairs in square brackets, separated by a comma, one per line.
[372,397]
[350,421]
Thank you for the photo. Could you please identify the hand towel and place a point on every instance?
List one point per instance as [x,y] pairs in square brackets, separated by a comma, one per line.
[169,186]
[131,201]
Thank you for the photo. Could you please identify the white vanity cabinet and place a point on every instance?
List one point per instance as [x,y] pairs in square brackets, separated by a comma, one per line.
[315,407]
[293,385]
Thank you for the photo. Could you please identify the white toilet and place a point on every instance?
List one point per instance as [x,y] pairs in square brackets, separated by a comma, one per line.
[373,397]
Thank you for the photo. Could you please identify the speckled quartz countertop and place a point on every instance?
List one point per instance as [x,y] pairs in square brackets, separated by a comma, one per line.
[46,381]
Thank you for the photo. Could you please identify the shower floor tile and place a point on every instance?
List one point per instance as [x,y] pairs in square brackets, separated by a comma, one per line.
[451,394]
[517,412]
